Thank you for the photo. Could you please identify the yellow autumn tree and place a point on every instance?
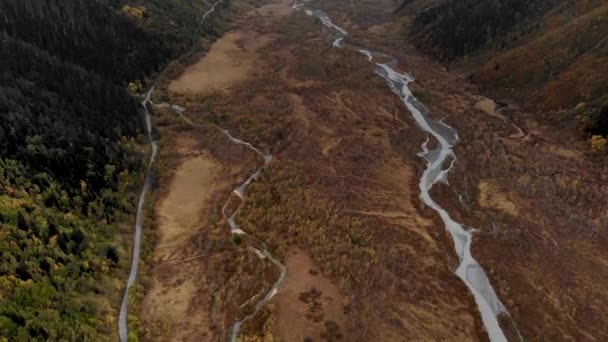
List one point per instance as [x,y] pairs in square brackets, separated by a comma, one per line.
[599,143]
[132,88]
[134,11]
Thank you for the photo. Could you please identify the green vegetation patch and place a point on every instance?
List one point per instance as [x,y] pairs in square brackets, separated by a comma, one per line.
[58,258]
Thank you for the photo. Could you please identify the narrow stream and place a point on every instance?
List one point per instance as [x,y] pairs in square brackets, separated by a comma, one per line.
[236,230]
[122,317]
[469,270]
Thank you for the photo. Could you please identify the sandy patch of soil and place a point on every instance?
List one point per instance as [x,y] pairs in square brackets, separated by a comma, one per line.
[488,106]
[400,179]
[491,196]
[179,213]
[308,304]
[230,60]
[376,29]
[328,144]
[172,307]
[564,152]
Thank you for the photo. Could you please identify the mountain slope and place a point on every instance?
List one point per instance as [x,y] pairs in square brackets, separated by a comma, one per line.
[69,161]
[549,55]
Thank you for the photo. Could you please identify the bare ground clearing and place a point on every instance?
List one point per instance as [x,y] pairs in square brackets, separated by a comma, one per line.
[230,60]
[170,307]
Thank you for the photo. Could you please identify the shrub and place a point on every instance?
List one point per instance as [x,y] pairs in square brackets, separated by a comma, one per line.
[599,143]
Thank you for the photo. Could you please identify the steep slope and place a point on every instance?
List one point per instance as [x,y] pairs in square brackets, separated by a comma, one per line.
[70,163]
[77,31]
[562,65]
[452,29]
[178,23]
[68,166]
[547,55]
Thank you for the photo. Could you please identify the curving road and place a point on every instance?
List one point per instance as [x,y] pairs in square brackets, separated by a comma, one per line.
[122,317]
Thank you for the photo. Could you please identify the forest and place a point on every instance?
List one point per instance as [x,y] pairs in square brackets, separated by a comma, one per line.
[455,28]
[85,33]
[71,155]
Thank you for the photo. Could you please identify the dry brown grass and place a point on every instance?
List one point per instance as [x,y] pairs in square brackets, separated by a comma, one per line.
[168,305]
[231,59]
[548,258]
[309,304]
[559,67]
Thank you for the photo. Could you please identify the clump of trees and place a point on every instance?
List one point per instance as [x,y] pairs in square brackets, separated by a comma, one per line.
[66,170]
[69,164]
[174,23]
[61,119]
[57,256]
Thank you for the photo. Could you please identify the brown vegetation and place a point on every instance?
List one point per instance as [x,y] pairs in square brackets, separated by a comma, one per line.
[309,305]
[539,203]
[343,192]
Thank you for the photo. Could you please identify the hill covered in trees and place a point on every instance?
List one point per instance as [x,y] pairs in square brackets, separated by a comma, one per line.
[550,55]
[69,162]
[452,29]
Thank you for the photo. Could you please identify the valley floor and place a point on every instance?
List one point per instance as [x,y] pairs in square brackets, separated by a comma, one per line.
[339,202]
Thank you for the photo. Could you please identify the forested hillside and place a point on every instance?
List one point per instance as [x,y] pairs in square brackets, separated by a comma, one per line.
[60,118]
[86,33]
[69,163]
[453,28]
[178,23]
[549,55]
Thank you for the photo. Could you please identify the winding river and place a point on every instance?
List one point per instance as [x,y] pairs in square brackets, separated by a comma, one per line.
[469,270]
